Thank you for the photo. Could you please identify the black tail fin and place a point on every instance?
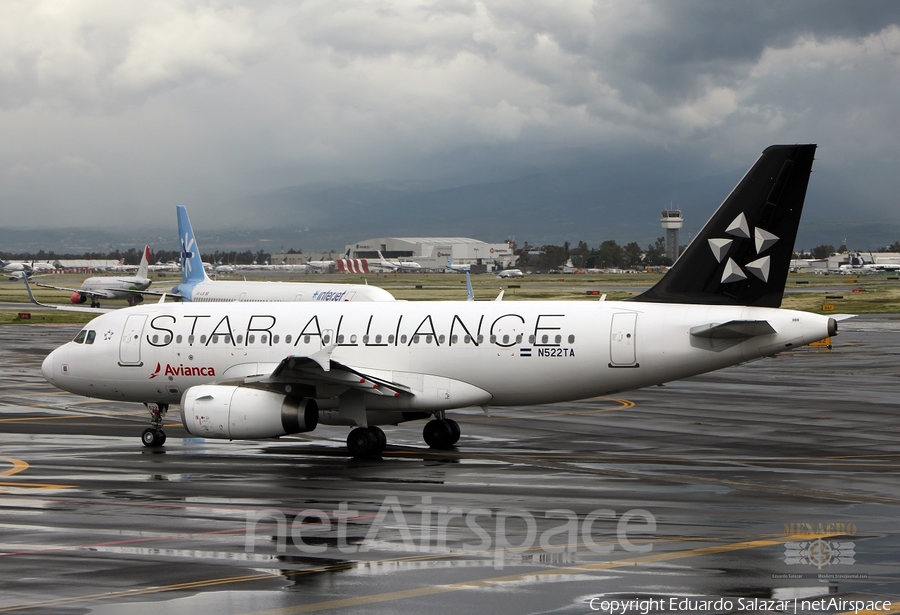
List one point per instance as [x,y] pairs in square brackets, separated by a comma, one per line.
[742,255]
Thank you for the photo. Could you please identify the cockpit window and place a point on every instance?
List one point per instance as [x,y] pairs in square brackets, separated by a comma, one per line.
[90,337]
[79,339]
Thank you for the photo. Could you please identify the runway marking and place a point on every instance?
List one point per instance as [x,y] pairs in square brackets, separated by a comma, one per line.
[17,466]
[624,404]
[416,592]
[20,466]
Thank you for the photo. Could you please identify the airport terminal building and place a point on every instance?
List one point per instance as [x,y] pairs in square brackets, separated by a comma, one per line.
[432,252]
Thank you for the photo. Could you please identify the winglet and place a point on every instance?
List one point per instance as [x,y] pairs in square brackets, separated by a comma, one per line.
[742,255]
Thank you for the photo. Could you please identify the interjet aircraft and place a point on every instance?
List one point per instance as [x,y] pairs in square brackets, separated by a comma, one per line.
[197,287]
[264,370]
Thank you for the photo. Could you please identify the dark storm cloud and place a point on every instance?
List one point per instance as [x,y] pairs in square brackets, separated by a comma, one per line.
[116,112]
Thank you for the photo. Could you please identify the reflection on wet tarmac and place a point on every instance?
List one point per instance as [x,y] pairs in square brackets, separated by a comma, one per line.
[718,478]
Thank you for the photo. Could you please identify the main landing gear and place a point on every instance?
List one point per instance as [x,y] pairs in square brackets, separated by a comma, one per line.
[441,433]
[366,442]
[370,441]
[154,436]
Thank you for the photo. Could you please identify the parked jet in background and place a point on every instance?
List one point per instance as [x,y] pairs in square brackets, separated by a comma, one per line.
[262,370]
[459,268]
[196,285]
[510,273]
[131,287]
[397,265]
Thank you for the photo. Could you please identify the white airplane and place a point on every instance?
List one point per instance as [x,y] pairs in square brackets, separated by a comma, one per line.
[510,273]
[21,269]
[263,370]
[859,264]
[196,285]
[397,265]
[132,287]
[321,265]
[460,268]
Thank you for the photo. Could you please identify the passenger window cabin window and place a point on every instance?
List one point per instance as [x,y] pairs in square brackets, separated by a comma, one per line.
[287,339]
[275,339]
[240,339]
[202,339]
[378,339]
[571,339]
[154,340]
[264,339]
[558,339]
[251,339]
[391,338]
[454,339]
[353,339]
[306,339]
[441,339]
[467,339]
[178,339]
[190,339]
[341,338]
[167,339]
[403,339]
[544,339]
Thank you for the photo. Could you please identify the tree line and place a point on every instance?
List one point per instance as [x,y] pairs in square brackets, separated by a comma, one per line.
[608,255]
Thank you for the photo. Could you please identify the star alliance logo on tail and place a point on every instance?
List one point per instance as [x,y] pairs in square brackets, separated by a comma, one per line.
[741,230]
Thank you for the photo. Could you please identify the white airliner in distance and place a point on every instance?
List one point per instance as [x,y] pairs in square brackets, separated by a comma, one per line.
[196,285]
[263,370]
[397,265]
[510,273]
[459,268]
[130,287]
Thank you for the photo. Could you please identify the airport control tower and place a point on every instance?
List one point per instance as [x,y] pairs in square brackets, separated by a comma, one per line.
[672,220]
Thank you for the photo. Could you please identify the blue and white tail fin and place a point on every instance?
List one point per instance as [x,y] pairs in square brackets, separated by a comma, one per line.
[742,255]
[192,271]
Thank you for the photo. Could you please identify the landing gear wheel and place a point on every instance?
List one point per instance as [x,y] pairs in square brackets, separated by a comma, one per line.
[438,434]
[380,440]
[454,427]
[153,437]
[362,442]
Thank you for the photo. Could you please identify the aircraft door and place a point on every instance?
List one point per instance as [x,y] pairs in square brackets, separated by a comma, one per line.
[130,344]
[622,340]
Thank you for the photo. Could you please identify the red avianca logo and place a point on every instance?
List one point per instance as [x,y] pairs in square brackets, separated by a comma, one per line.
[182,370]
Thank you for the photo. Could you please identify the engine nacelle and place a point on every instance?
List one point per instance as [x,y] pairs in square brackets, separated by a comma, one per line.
[243,413]
[78,298]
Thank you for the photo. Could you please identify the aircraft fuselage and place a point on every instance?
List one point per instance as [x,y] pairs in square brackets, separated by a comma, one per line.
[450,354]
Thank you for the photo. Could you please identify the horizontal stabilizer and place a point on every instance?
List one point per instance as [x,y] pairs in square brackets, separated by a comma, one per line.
[734,330]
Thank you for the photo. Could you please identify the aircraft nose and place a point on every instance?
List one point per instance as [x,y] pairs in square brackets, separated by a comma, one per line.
[47,367]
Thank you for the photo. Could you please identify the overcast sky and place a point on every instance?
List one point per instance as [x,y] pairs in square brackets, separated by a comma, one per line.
[112,112]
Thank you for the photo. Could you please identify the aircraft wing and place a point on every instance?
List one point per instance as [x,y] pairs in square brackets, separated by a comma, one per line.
[320,370]
[62,308]
[90,293]
[100,294]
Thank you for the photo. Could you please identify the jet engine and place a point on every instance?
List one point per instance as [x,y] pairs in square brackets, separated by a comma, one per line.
[78,298]
[243,413]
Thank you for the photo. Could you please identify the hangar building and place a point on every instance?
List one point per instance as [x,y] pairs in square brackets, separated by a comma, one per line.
[432,252]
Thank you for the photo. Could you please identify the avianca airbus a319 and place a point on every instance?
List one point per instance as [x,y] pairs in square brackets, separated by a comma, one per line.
[262,370]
